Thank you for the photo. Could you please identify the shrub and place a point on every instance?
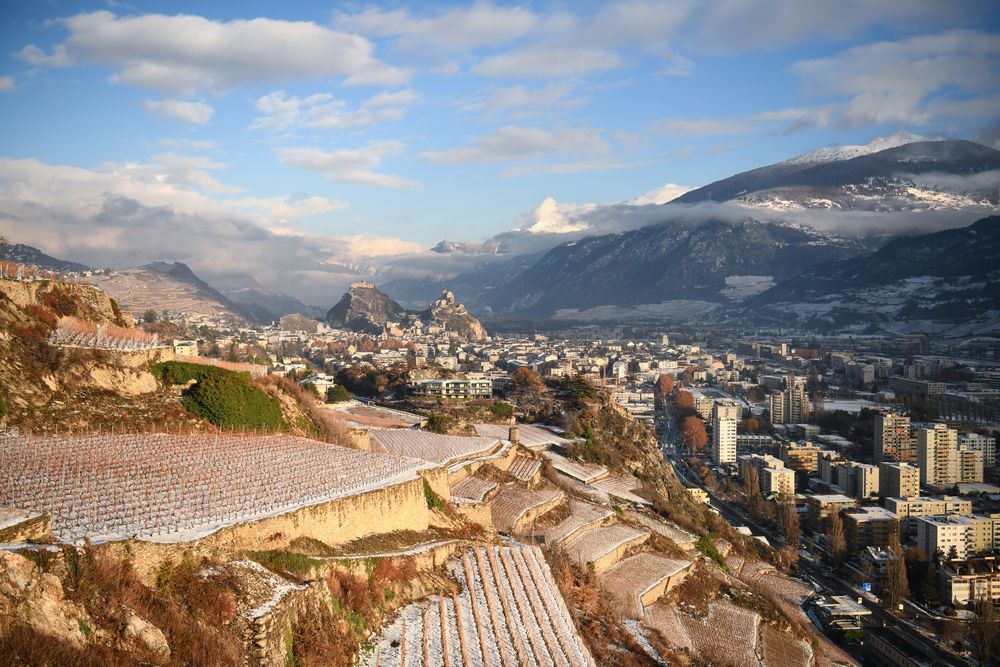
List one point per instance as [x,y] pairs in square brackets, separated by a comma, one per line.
[182,372]
[337,394]
[439,423]
[504,410]
[286,562]
[434,501]
[228,401]
[707,546]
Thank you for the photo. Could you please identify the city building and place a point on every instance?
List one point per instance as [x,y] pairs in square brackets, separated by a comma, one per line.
[937,455]
[725,417]
[892,438]
[865,480]
[898,480]
[953,535]
[965,580]
[970,466]
[791,405]
[802,456]
[984,443]
[869,527]
[908,510]
[460,388]
[777,480]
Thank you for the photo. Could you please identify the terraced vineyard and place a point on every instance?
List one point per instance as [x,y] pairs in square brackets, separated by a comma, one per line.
[473,488]
[433,447]
[634,580]
[509,612]
[604,546]
[513,503]
[582,516]
[524,468]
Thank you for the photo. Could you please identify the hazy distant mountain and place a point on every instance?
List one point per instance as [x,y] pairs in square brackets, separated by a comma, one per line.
[264,304]
[467,247]
[25,254]
[946,276]
[924,175]
[710,261]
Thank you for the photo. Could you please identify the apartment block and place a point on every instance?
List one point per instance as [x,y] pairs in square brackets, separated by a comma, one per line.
[984,443]
[970,466]
[791,405]
[966,580]
[937,455]
[802,456]
[869,527]
[893,441]
[898,480]
[910,509]
[945,533]
[725,416]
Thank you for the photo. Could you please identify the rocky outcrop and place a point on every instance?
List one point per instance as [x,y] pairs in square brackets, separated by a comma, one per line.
[363,308]
[453,316]
[147,635]
[37,599]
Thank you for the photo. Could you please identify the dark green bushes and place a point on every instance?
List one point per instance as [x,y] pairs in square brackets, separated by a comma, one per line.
[231,401]
[181,372]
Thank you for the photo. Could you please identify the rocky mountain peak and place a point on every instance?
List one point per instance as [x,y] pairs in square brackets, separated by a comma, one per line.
[364,308]
[448,312]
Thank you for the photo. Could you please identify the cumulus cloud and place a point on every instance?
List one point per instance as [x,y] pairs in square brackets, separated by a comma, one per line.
[323,112]
[661,195]
[123,215]
[460,29]
[184,54]
[915,80]
[518,143]
[349,165]
[192,113]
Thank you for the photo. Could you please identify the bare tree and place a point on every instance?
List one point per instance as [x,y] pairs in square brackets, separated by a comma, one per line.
[894,586]
[836,546]
[790,528]
[983,627]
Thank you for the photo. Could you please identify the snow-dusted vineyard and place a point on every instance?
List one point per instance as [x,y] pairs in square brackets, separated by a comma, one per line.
[441,449]
[180,487]
[72,332]
[621,487]
[598,544]
[524,468]
[513,502]
[472,488]
[530,436]
[584,472]
[509,612]
[780,650]
[727,635]
[582,516]
[680,537]
[631,578]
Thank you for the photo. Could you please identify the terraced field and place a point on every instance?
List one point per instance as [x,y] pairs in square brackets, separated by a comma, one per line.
[514,504]
[530,436]
[583,472]
[641,579]
[604,546]
[473,488]
[524,468]
[681,538]
[433,447]
[509,612]
[582,516]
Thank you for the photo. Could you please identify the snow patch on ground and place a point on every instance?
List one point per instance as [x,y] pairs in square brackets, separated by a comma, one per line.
[739,288]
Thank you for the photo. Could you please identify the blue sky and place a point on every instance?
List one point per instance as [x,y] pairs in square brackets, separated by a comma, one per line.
[385,128]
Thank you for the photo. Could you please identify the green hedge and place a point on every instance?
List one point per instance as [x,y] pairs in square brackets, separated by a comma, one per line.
[229,401]
[182,372]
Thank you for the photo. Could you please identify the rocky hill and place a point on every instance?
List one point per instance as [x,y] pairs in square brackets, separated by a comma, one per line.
[30,256]
[172,287]
[453,316]
[364,308]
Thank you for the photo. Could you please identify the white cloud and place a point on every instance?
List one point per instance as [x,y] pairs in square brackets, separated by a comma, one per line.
[549,61]
[128,215]
[184,54]
[349,165]
[285,208]
[192,113]
[551,217]
[522,100]
[576,167]
[33,55]
[323,112]
[915,81]
[518,143]
[192,144]
[661,195]
[787,120]
[460,29]
[6,84]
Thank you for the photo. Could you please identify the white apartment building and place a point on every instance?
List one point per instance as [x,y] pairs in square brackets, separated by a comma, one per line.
[898,480]
[984,443]
[725,416]
[945,533]
[937,455]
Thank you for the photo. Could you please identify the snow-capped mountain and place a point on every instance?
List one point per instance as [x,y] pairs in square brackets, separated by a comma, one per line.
[849,152]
